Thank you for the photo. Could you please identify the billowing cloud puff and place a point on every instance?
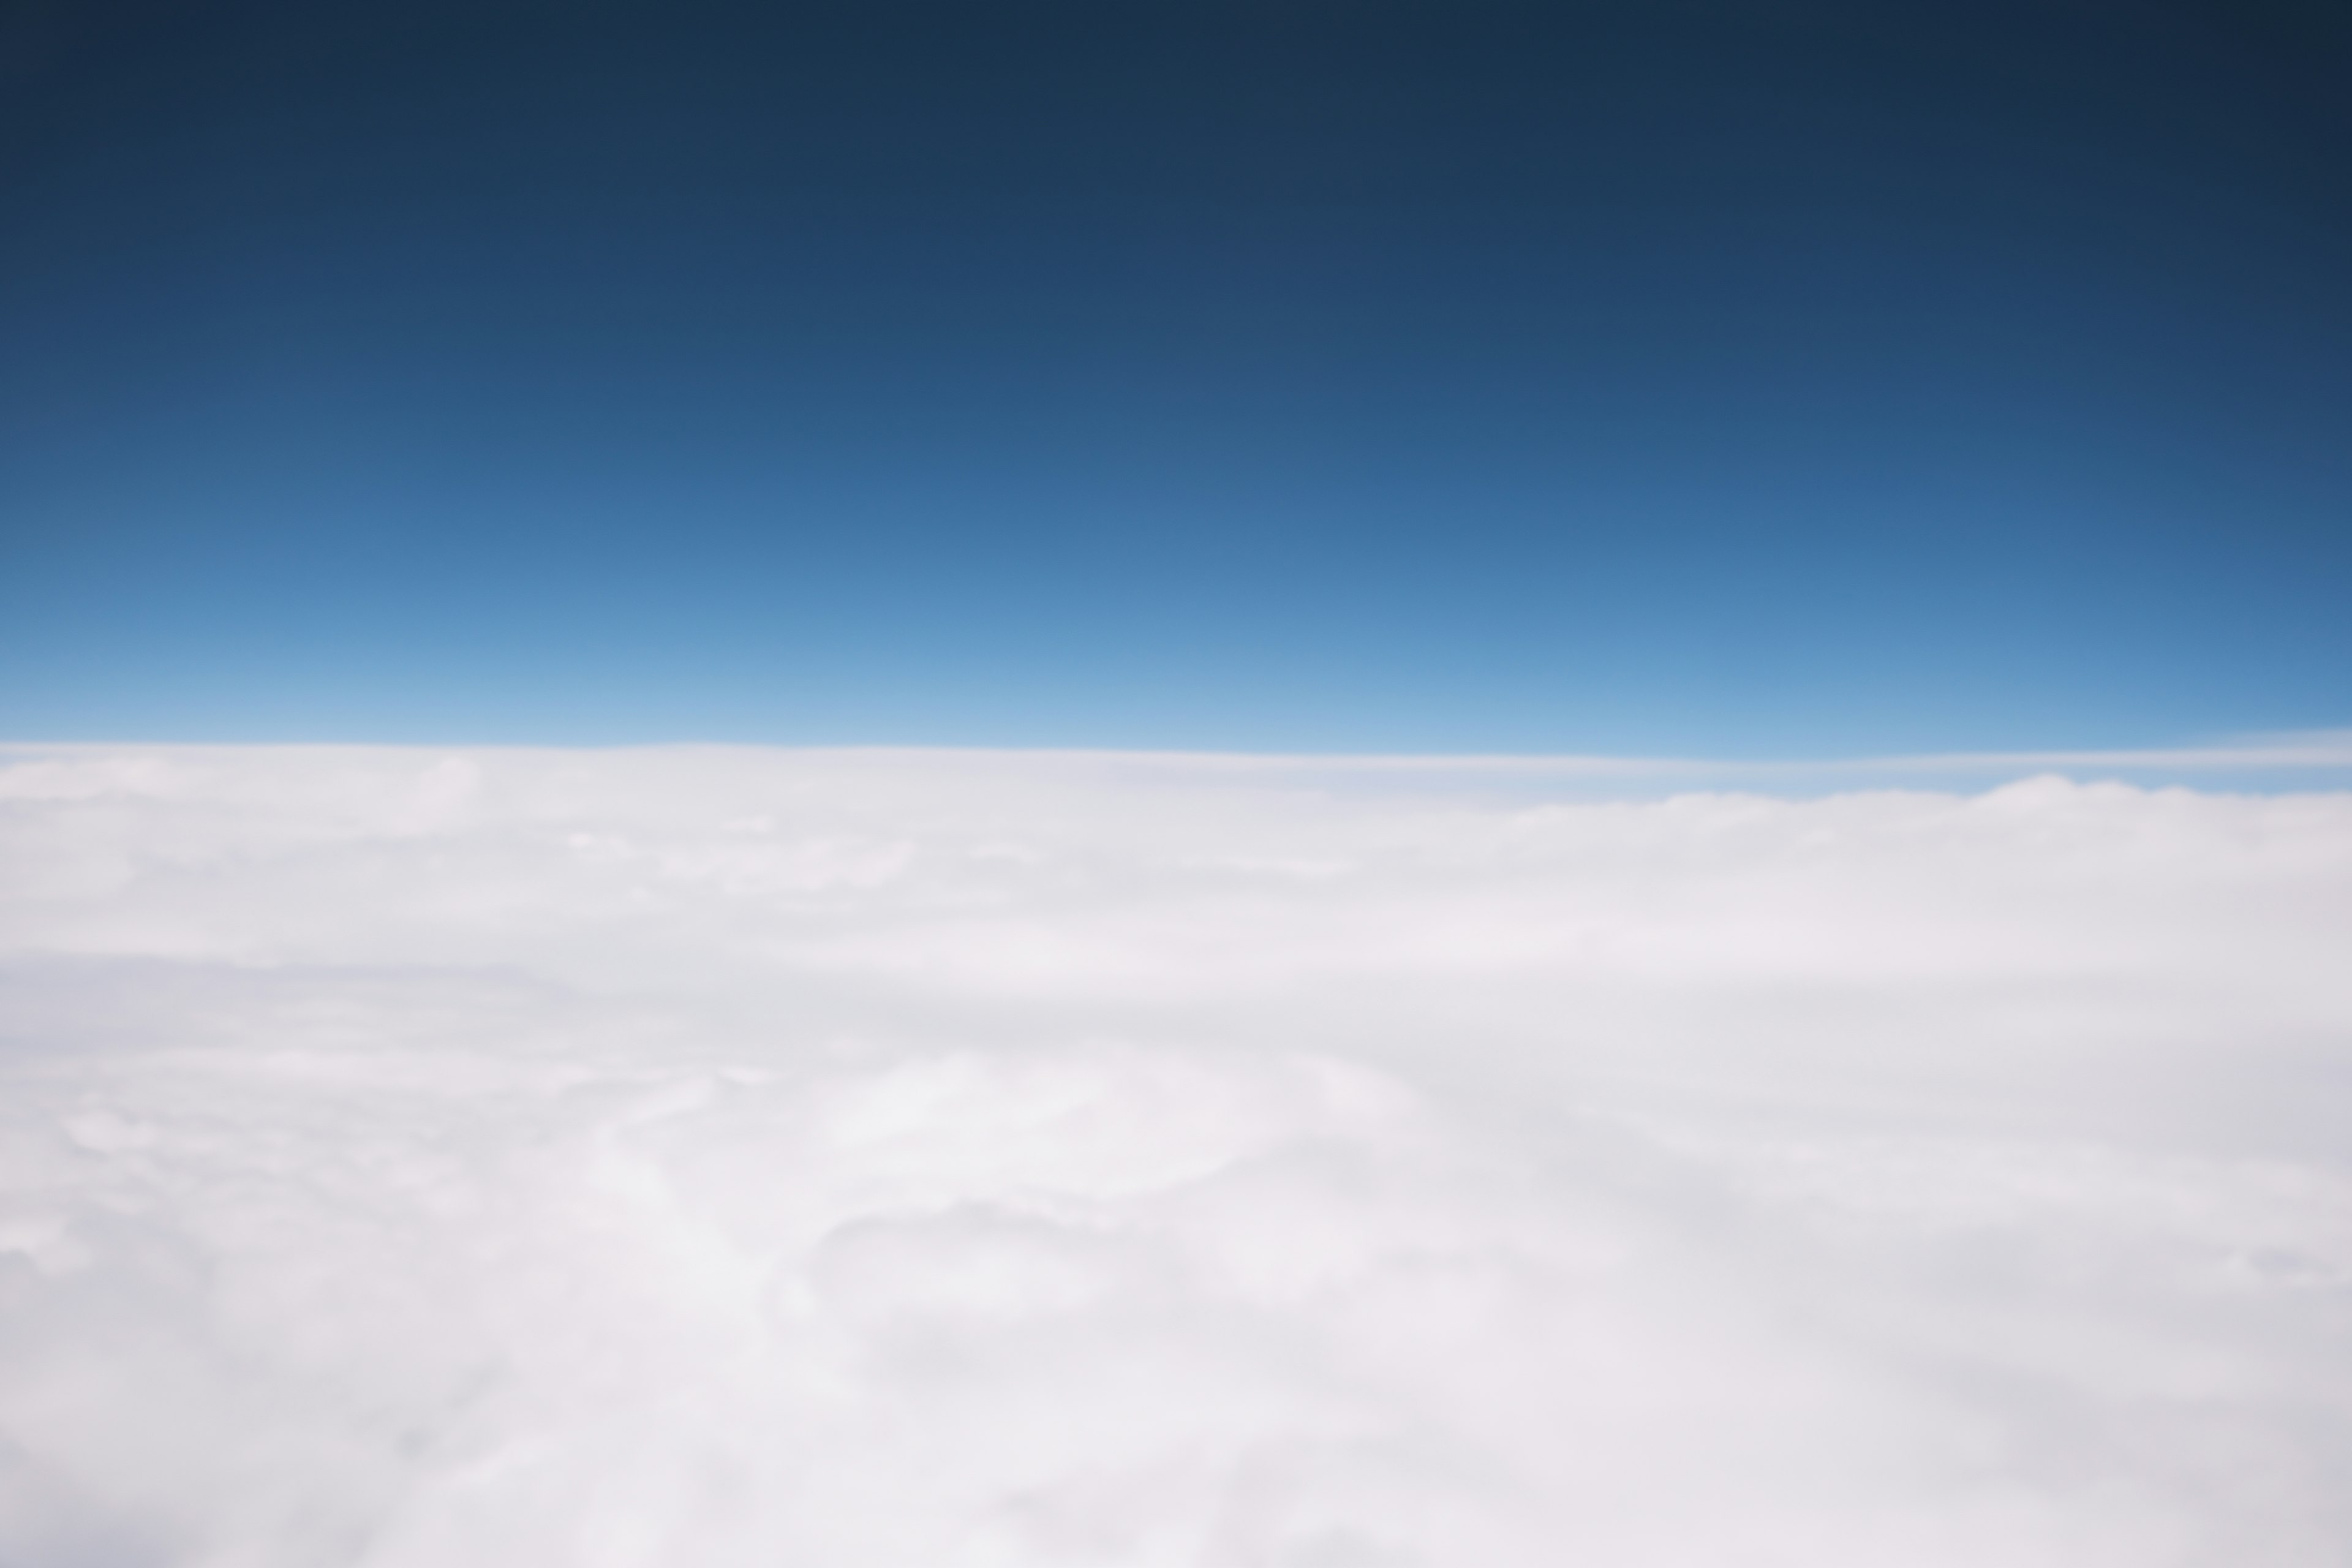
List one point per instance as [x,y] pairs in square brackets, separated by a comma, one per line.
[732,1157]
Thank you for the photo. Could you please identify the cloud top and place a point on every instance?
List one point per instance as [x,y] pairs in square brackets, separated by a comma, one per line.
[860,1158]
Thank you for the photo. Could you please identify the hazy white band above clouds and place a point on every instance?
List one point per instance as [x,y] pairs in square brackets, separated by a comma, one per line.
[734,1156]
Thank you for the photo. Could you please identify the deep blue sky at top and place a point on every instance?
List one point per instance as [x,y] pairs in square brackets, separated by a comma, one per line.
[1737,378]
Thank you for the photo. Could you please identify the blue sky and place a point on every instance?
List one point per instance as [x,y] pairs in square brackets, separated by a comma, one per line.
[1632,379]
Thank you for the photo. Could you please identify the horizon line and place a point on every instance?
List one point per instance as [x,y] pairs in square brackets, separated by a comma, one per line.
[2288,751]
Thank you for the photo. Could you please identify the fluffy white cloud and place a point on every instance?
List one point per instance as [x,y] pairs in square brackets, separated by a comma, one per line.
[726,1157]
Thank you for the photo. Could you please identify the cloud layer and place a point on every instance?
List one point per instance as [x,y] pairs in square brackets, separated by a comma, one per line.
[723,1157]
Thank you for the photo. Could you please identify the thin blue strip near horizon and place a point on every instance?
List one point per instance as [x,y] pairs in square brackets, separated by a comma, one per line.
[2319,761]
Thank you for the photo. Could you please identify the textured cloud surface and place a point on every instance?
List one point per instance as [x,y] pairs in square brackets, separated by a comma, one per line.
[730,1157]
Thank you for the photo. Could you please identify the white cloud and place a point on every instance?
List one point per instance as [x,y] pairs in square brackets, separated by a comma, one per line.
[714,1157]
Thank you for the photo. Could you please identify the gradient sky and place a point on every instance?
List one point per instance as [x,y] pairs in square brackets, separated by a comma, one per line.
[1742,380]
